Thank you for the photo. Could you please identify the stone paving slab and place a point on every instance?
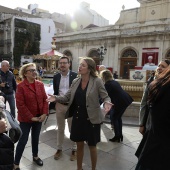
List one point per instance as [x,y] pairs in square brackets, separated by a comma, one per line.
[111,156]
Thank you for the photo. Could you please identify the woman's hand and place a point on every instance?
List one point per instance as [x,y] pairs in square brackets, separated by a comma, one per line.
[35,119]
[107,106]
[52,98]
[42,118]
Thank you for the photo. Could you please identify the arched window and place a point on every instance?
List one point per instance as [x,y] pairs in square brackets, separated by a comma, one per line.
[129,53]
[94,54]
[67,53]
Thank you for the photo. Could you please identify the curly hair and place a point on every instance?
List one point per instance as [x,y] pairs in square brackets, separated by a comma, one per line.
[23,69]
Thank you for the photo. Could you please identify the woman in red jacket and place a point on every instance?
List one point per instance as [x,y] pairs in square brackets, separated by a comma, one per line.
[32,110]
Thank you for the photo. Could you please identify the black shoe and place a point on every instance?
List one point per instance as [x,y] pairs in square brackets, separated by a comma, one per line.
[121,138]
[38,161]
[115,139]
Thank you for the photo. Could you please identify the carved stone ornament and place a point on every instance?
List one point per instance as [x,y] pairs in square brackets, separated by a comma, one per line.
[153,12]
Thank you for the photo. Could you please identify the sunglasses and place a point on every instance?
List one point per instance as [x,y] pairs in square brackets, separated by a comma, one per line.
[32,70]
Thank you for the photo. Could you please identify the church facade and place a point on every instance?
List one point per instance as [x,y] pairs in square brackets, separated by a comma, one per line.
[138,33]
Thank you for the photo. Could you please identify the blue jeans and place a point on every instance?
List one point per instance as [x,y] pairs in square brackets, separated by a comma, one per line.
[11,101]
[35,128]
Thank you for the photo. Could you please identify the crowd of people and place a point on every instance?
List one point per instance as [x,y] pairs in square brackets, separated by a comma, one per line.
[85,116]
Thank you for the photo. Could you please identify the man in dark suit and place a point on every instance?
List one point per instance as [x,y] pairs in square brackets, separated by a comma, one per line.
[61,84]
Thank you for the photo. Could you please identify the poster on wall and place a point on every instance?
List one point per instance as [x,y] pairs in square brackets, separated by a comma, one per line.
[139,75]
[150,56]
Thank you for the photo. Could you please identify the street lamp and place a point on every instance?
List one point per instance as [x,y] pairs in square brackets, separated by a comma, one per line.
[101,51]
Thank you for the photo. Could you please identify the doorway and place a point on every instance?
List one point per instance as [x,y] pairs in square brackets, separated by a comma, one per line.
[128,61]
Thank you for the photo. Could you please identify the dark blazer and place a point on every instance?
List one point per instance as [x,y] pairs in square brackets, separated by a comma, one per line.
[56,81]
[119,97]
[6,152]
[94,90]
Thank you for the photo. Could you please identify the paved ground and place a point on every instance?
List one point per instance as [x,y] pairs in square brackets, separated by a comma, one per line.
[111,156]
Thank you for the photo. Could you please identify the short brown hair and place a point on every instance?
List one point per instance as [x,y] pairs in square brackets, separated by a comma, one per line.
[65,57]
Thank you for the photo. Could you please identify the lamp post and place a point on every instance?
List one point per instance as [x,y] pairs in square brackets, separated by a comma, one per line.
[101,51]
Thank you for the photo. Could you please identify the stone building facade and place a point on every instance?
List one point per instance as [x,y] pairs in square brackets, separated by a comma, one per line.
[138,33]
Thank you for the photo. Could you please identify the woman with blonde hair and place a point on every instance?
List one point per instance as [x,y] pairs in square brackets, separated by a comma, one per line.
[83,98]
[32,110]
[121,101]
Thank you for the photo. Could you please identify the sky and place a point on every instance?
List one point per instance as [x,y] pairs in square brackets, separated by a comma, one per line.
[109,9]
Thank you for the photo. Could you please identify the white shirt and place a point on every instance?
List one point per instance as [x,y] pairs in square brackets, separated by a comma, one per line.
[64,84]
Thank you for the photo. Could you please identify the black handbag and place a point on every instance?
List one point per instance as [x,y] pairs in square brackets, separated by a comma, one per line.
[14,131]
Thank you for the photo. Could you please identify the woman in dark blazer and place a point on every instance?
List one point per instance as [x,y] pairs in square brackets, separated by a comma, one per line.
[83,98]
[121,101]
[156,149]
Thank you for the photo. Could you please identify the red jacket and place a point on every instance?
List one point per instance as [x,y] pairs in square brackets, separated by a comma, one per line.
[30,102]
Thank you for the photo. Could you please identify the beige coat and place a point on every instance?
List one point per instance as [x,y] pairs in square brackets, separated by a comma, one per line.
[95,90]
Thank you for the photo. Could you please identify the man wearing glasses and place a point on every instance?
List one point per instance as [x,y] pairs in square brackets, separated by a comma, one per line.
[8,85]
[61,84]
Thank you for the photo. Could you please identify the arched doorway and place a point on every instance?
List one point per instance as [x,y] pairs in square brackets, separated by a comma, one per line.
[128,61]
[94,54]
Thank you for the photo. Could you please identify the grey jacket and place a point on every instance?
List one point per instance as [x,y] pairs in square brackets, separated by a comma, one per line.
[144,116]
[95,89]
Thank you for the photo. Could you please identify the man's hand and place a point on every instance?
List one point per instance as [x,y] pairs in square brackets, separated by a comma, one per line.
[3,126]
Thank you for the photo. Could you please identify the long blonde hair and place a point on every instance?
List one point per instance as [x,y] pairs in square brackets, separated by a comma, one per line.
[91,65]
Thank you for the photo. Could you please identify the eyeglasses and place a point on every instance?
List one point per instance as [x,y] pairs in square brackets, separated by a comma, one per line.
[31,70]
[63,63]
